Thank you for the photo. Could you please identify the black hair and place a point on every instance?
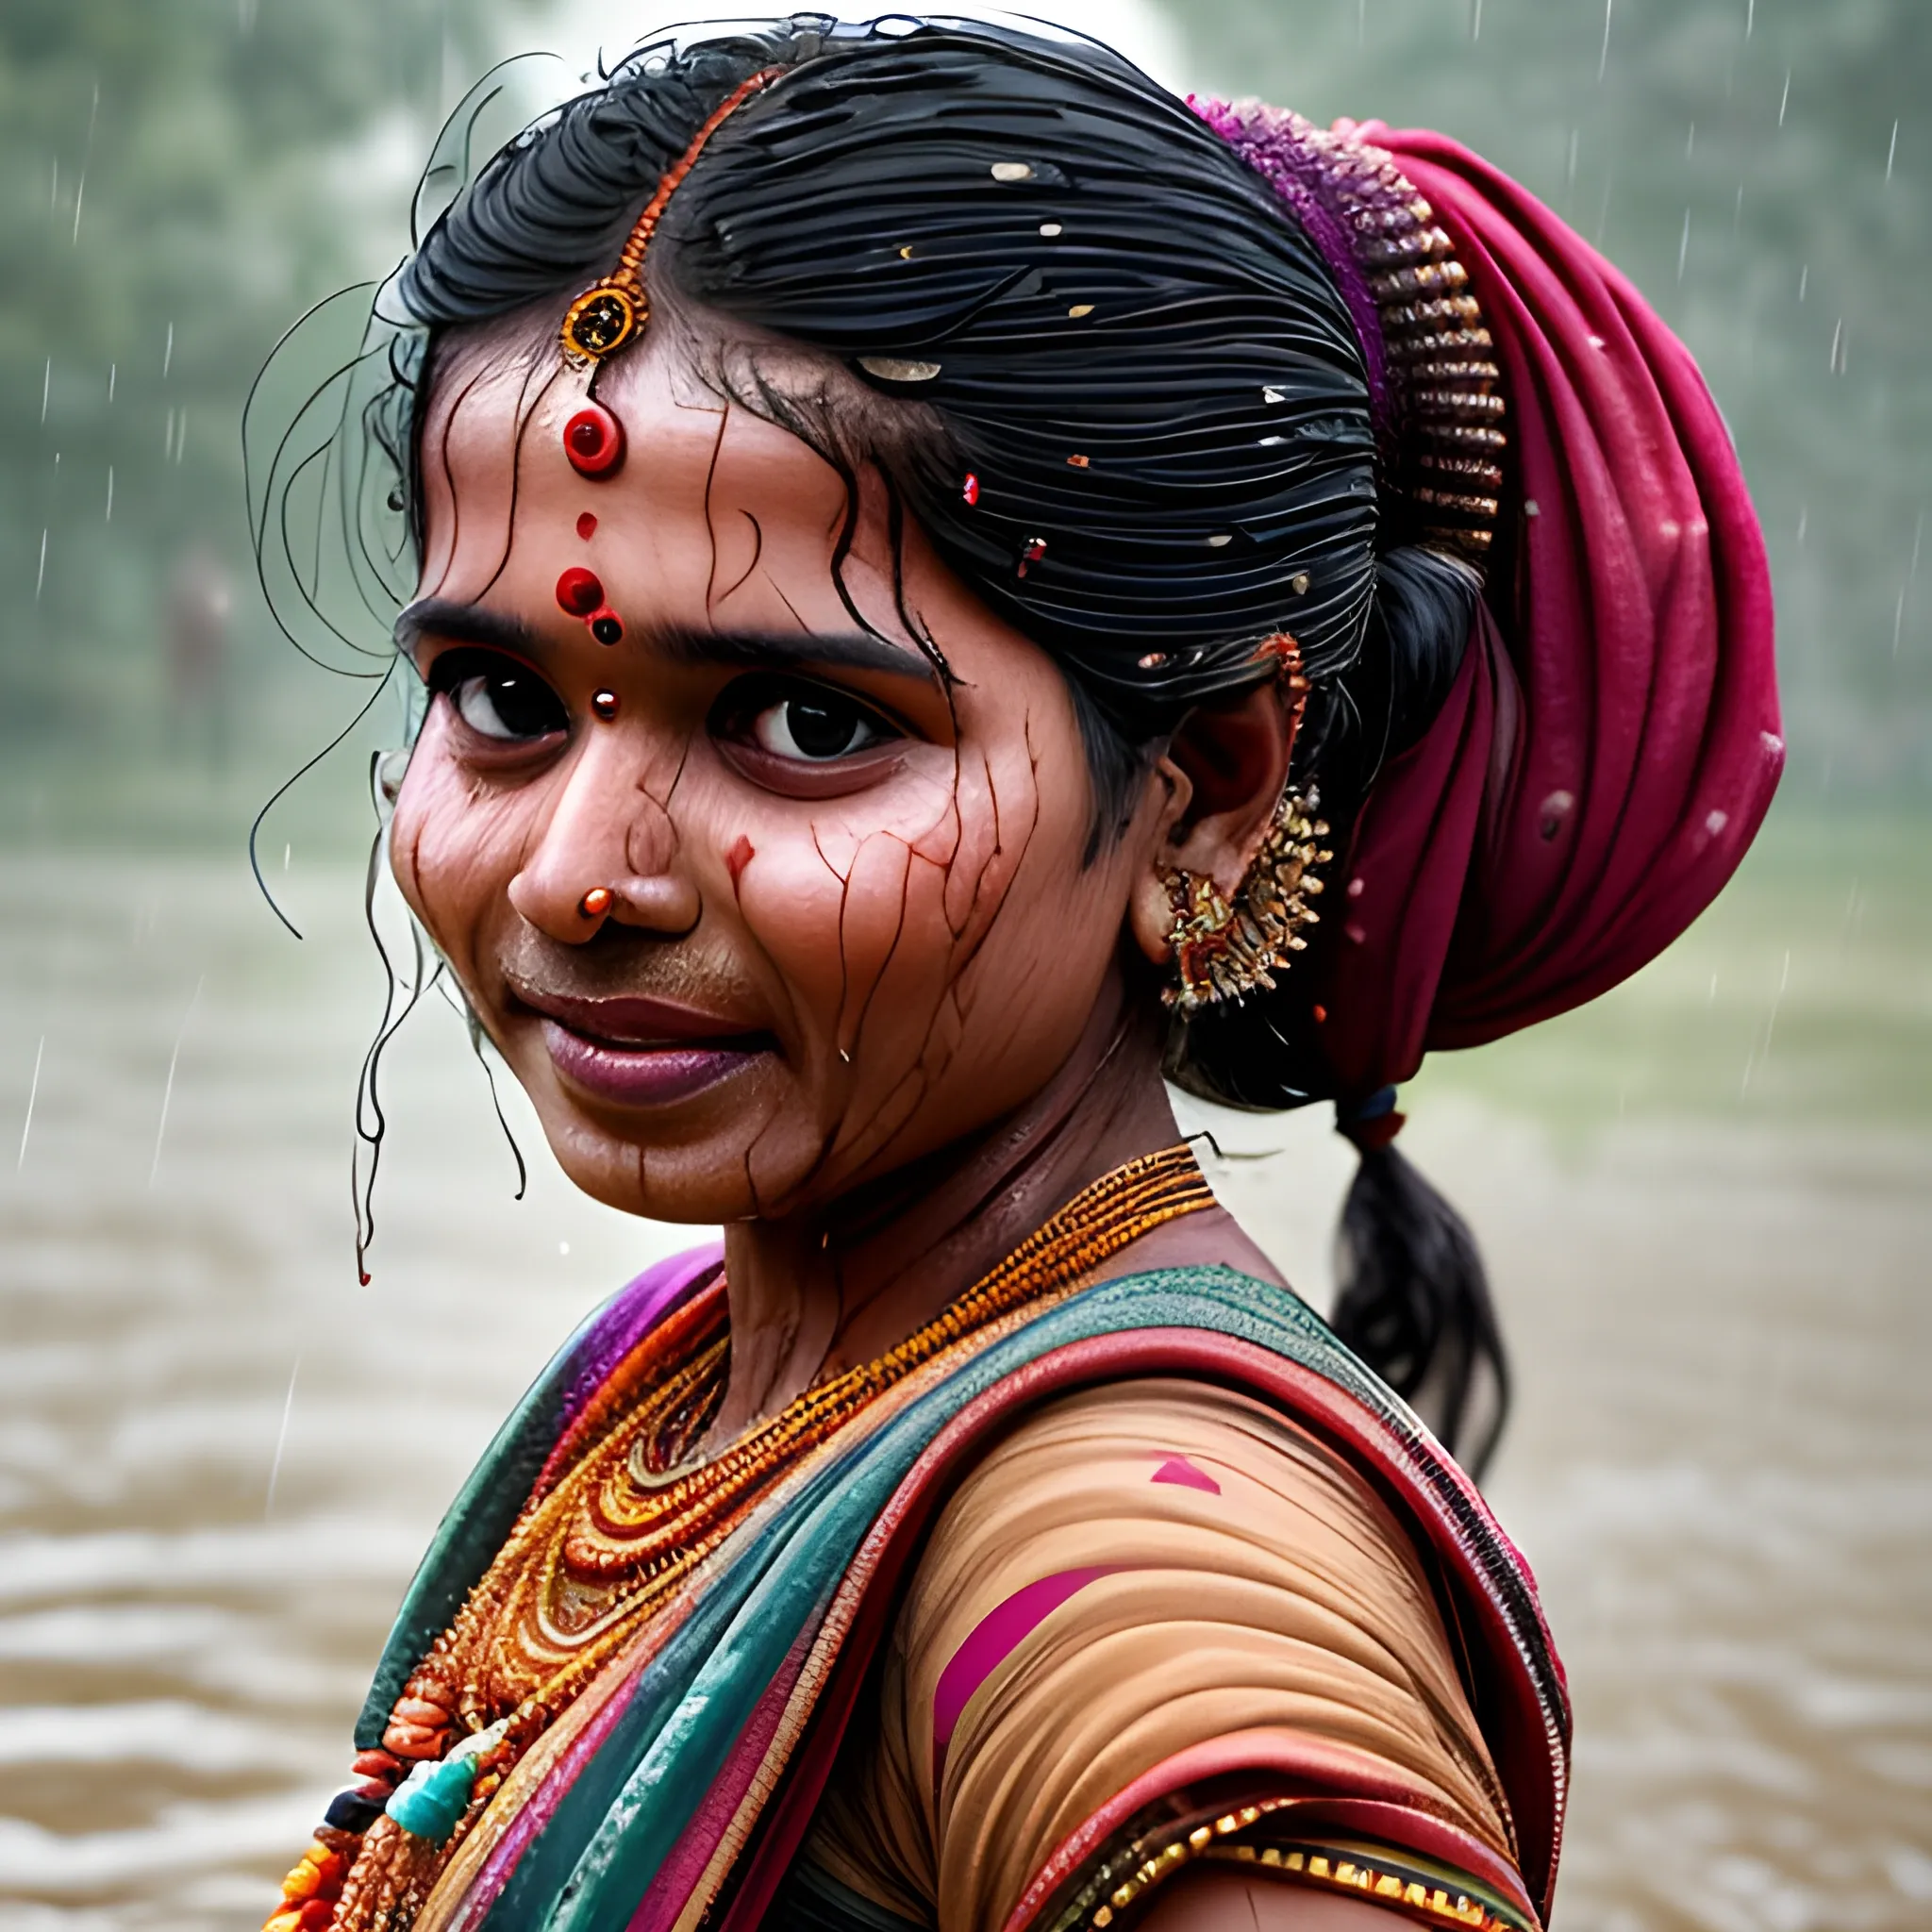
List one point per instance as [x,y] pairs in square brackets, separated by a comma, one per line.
[1102,313]
[1052,278]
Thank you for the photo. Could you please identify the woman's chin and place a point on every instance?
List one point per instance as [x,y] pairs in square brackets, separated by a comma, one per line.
[716,1156]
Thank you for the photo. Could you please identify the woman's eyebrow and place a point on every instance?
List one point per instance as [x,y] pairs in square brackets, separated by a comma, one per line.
[831,651]
[462,623]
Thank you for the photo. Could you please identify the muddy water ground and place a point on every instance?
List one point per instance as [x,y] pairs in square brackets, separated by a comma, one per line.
[219,1457]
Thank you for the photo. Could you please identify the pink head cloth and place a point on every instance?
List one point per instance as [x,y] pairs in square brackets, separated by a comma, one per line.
[1611,743]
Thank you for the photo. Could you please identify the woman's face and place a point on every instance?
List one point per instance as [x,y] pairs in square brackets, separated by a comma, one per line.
[848,919]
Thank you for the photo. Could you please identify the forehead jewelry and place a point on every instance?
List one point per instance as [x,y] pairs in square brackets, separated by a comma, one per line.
[610,314]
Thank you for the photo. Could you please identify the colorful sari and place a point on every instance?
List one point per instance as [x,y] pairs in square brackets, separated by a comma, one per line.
[680,1785]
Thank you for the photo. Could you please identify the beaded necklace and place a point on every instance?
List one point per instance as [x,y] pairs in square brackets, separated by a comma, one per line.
[619,1518]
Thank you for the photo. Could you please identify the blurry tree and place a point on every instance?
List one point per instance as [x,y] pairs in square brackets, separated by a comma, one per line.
[179,178]
[1763,169]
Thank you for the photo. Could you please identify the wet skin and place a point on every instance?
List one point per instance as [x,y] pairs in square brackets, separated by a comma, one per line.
[855,993]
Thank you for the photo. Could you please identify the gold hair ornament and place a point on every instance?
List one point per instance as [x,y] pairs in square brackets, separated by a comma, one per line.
[610,314]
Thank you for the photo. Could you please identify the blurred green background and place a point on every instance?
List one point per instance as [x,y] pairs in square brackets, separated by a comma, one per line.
[1707,1199]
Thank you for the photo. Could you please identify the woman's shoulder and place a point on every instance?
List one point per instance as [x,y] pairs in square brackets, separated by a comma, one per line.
[1145,1588]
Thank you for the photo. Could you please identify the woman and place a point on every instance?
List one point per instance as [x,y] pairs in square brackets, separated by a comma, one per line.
[932,562]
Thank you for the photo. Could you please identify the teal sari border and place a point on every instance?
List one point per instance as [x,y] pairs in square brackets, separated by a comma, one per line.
[613,1829]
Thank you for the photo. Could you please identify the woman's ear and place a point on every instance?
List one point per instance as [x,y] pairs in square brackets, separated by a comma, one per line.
[1224,773]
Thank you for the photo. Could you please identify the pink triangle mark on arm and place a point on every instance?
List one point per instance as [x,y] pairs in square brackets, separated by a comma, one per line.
[1177,1469]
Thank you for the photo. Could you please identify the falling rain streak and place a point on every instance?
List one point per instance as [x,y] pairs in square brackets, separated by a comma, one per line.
[274,1468]
[33,1093]
[168,1090]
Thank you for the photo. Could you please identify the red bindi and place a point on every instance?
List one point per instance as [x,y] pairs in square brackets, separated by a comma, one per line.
[593,441]
[578,591]
[587,527]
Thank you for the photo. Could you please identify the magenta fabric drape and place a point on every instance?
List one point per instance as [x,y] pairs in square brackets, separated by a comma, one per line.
[1612,741]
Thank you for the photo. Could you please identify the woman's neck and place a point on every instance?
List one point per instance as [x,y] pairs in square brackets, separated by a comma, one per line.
[821,1292]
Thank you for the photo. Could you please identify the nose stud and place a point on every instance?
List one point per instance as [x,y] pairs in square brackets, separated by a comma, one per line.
[596,902]
[605,704]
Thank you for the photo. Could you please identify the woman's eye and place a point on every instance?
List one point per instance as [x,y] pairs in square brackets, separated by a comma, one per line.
[497,697]
[816,726]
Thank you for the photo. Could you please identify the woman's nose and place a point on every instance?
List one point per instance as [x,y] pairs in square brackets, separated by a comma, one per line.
[610,853]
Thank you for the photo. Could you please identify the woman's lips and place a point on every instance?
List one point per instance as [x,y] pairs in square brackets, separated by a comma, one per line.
[643,1076]
[642,1052]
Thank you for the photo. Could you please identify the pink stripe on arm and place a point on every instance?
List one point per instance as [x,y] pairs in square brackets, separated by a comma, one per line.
[1177,1469]
[995,1639]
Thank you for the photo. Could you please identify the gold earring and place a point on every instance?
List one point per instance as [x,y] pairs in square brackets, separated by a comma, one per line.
[1225,951]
